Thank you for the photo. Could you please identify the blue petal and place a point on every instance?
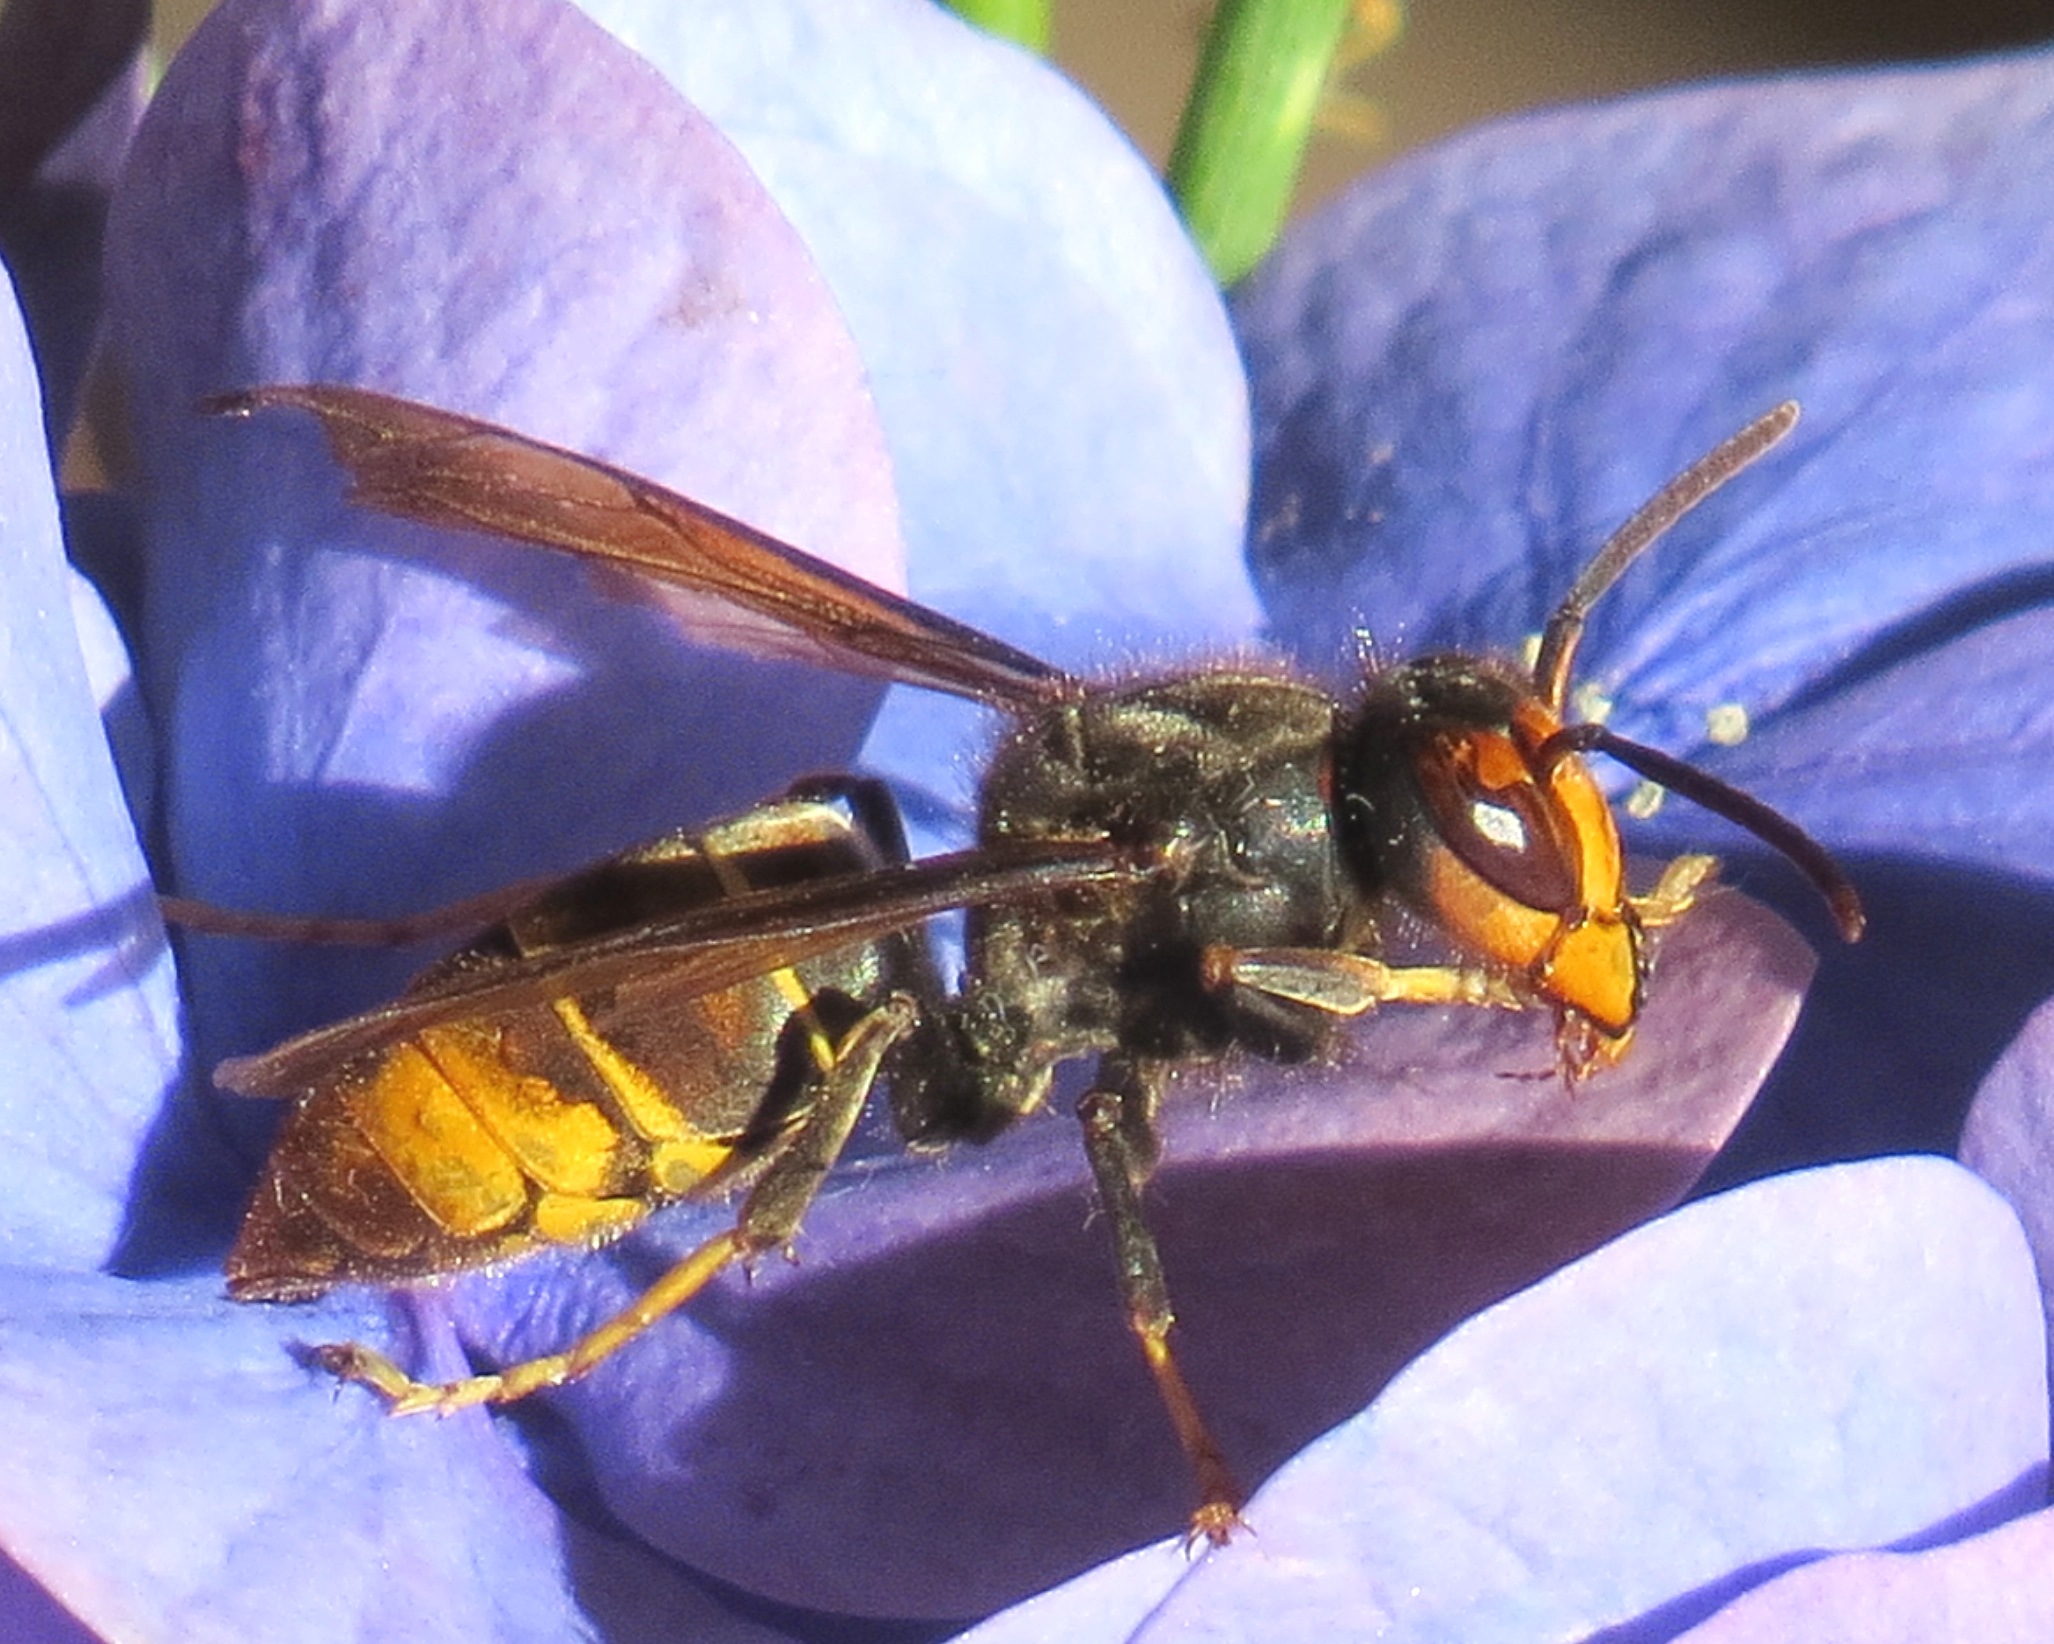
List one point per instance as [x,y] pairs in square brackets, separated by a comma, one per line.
[1845,1357]
[1929,776]
[2008,1139]
[1481,360]
[1937,754]
[87,996]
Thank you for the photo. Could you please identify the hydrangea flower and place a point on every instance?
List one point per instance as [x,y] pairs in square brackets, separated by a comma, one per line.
[1037,400]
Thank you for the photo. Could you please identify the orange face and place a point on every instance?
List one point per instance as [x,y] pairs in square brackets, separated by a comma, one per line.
[1525,871]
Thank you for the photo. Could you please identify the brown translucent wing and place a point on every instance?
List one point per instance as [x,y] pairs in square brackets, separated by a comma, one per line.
[452,919]
[711,947]
[423,464]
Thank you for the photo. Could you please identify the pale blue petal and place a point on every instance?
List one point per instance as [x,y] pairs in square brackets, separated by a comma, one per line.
[1837,1358]
[169,1472]
[1064,402]
[87,997]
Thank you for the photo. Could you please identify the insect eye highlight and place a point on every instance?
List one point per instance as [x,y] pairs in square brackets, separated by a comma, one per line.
[1499,824]
[1488,809]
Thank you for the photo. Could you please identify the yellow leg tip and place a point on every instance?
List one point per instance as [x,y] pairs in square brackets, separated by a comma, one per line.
[404,1396]
[1215,1523]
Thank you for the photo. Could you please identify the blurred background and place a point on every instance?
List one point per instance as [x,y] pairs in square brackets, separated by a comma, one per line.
[1455,62]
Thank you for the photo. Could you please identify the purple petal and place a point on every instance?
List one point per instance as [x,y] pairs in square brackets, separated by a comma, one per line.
[87,1001]
[1065,403]
[634,1596]
[33,1616]
[1989,1587]
[938,1409]
[168,1472]
[499,209]
[1836,1358]
[1108,1602]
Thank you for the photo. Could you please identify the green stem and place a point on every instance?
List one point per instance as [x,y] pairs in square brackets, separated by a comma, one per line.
[1024,22]
[1245,128]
